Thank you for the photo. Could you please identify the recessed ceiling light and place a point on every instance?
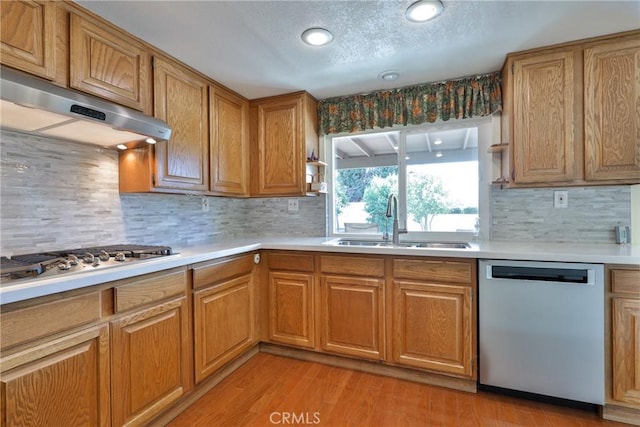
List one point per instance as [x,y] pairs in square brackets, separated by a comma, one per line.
[437,141]
[317,36]
[439,154]
[424,10]
[389,76]
[150,140]
[121,147]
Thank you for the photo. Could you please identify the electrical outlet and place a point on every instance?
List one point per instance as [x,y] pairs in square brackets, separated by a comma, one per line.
[560,199]
[205,204]
[292,205]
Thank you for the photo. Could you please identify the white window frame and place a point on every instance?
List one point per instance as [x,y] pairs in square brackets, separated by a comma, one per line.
[488,134]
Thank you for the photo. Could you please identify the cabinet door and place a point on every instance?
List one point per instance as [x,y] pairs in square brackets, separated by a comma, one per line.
[150,367]
[612,103]
[224,322]
[28,36]
[625,352]
[543,118]
[229,156]
[353,316]
[280,154]
[109,64]
[291,309]
[432,327]
[180,99]
[64,382]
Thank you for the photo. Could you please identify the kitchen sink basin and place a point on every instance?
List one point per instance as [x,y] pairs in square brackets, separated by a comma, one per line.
[378,243]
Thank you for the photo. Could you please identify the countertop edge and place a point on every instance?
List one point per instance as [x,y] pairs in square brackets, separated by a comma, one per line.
[538,251]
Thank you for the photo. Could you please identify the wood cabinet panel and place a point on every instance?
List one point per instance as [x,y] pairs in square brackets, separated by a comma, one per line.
[64,382]
[229,129]
[625,351]
[291,309]
[219,271]
[26,324]
[109,64]
[290,262]
[224,321]
[543,118]
[28,36]
[626,281]
[359,266]
[150,368]
[612,111]
[433,326]
[180,99]
[353,316]
[155,287]
[435,269]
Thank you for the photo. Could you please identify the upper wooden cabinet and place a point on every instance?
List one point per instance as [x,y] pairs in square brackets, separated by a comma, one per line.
[283,134]
[229,149]
[28,36]
[109,64]
[611,106]
[570,112]
[180,99]
[543,118]
[181,164]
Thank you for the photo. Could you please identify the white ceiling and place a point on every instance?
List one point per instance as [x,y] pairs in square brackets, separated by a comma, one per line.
[254,47]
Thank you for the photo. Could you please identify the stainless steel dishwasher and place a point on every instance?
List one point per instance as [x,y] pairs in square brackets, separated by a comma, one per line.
[541,328]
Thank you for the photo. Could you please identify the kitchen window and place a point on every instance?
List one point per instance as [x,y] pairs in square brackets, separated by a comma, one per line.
[433,170]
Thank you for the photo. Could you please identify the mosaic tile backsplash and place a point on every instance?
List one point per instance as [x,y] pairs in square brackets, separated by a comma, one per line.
[56,195]
[591,215]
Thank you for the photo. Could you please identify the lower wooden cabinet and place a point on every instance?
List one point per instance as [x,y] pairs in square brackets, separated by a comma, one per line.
[291,308]
[624,338]
[433,315]
[225,313]
[150,366]
[62,382]
[432,327]
[353,316]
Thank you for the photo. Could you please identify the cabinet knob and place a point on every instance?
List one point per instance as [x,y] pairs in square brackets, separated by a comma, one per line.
[256,259]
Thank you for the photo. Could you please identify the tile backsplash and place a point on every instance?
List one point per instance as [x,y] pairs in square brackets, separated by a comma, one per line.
[591,215]
[58,194]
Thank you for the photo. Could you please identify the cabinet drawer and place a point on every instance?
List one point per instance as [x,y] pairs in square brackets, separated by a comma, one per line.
[361,266]
[222,270]
[154,287]
[437,270]
[29,323]
[625,281]
[291,262]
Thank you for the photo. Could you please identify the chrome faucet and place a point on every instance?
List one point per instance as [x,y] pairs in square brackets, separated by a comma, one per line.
[396,231]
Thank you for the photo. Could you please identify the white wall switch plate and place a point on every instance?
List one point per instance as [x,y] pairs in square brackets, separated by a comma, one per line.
[560,199]
[292,205]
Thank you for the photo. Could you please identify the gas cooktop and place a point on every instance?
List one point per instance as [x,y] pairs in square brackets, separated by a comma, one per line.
[45,264]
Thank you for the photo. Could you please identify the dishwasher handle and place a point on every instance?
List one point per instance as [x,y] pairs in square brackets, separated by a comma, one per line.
[541,274]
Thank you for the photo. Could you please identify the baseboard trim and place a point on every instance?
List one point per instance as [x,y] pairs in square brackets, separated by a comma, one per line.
[621,414]
[372,367]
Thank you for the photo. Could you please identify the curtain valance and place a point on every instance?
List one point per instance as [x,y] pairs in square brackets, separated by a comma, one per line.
[476,96]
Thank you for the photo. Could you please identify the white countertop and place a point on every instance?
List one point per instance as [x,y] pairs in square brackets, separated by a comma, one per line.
[23,289]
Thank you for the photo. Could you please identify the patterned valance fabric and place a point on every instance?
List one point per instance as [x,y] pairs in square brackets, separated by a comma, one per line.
[426,103]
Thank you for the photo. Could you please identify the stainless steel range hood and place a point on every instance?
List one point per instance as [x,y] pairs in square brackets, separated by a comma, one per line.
[36,106]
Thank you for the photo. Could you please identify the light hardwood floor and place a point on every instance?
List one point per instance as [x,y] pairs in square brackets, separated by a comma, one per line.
[273,390]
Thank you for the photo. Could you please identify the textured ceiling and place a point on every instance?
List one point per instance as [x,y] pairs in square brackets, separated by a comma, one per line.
[254,47]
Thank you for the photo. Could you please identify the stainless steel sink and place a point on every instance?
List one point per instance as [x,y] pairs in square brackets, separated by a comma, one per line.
[378,243]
